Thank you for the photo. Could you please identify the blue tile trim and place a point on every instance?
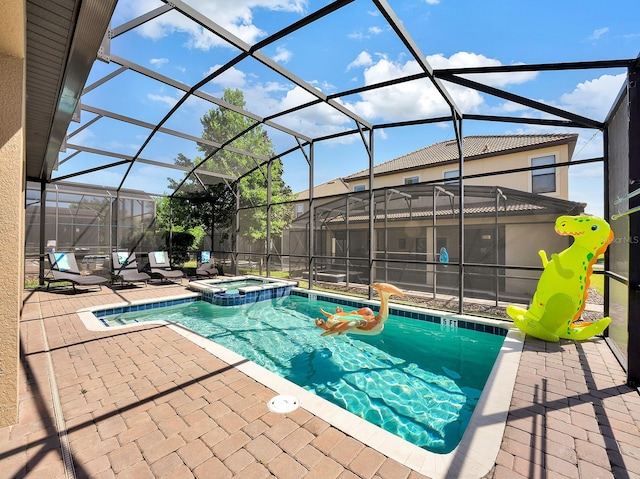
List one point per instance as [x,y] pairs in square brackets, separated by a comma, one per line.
[236,299]
[220,299]
[464,324]
[141,307]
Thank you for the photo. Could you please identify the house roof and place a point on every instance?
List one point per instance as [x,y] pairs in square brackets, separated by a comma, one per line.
[475,147]
[332,187]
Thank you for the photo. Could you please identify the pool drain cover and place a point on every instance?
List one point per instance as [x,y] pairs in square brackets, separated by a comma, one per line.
[284,403]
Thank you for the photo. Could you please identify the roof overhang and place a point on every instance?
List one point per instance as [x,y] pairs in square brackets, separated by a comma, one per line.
[63,39]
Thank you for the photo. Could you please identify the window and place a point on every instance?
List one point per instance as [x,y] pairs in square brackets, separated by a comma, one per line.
[411,180]
[299,210]
[357,188]
[544,179]
[451,174]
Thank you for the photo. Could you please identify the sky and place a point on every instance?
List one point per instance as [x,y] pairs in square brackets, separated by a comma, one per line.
[350,48]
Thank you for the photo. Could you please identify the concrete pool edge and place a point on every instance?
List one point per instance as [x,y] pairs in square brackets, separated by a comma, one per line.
[471,459]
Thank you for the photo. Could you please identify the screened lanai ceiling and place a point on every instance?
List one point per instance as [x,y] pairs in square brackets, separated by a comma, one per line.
[117,90]
[429,201]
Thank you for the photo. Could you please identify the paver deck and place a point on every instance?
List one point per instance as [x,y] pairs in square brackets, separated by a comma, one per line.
[147,402]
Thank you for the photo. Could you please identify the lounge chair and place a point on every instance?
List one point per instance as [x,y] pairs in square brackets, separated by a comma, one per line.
[65,268]
[161,268]
[206,269]
[125,267]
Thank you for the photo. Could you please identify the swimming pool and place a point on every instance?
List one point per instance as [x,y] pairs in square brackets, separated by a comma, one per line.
[349,370]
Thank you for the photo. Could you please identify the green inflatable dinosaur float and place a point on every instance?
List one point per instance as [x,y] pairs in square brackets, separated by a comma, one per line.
[561,293]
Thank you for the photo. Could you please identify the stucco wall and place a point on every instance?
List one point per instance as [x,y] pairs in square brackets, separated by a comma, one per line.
[11,202]
[530,238]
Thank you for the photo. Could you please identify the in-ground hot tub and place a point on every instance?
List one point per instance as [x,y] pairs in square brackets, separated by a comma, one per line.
[237,290]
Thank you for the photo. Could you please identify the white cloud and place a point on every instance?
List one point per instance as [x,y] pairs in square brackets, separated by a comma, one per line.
[323,86]
[598,33]
[372,31]
[432,2]
[511,107]
[158,62]
[282,55]
[318,120]
[362,60]
[593,98]
[420,98]
[356,36]
[467,59]
[166,99]
[321,113]
[267,98]
[231,78]
[236,17]
[403,101]
[272,86]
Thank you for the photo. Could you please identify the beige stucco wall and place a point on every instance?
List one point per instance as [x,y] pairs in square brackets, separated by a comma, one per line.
[519,181]
[530,237]
[12,75]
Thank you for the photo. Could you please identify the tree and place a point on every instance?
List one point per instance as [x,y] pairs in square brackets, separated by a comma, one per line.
[197,206]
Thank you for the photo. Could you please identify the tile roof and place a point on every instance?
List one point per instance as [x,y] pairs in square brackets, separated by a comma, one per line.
[329,188]
[475,147]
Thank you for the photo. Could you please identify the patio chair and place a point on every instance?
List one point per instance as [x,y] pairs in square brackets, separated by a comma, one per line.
[206,269]
[124,267]
[161,268]
[64,267]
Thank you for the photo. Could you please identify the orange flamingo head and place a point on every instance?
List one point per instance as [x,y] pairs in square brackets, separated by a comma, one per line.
[387,289]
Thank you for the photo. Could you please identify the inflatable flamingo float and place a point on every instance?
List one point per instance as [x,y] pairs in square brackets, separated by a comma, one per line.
[363,320]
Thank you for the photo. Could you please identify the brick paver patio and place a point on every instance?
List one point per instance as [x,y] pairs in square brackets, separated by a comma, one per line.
[147,402]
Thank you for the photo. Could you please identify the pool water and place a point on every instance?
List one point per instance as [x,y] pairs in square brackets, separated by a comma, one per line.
[418,380]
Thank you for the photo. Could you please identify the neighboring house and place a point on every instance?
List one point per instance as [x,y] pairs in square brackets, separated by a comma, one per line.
[482,154]
[416,214]
[333,187]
